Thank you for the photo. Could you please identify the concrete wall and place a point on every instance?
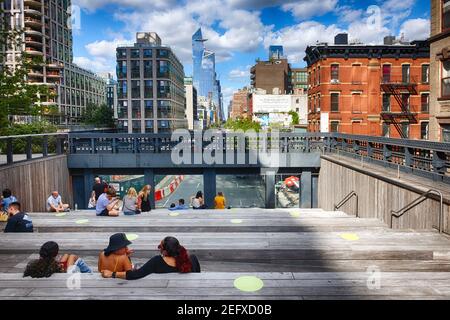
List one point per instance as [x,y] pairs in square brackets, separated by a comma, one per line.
[377,197]
[32,182]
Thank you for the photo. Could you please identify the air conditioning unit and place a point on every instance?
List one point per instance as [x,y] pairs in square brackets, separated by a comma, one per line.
[334,81]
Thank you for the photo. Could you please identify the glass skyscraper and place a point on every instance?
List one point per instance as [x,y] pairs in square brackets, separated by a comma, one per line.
[276,52]
[205,77]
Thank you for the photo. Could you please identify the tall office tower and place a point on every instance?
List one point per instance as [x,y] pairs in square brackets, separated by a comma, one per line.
[191,104]
[151,95]
[276,52]
[48,35]
[205,78]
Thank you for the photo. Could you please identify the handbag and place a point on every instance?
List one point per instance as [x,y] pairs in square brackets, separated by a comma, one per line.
[3,217]
[91,203]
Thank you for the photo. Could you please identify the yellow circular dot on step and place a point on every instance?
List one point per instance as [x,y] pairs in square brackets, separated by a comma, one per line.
[132,236]
[350,236]
[295,214]
[236,221]
[82,221]
[248,284]
[62,214]
[174,214]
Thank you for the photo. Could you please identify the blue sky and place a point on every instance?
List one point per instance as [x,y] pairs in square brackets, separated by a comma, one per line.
[239,31]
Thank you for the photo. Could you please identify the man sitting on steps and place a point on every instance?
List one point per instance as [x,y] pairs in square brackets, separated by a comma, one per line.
[18,221]
[106,204]
[55,204]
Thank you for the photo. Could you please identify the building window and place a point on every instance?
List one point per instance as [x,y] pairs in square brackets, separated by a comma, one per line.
[135,53]
[335,102]
[385,129]
[406,73]
[121,53]
[148,89]
[148,108]
[356,103]
[163,53]
[149,126]
[425,73]
[163,89]
[135,69]
[445,15]
[425,102]
[122,110]
[334,73]
[405,129]
[405,101]
[446,133]
[334,126]
[135,89]
[136,109]
[424,130]
[446,79]
[163,69]
[356,74]
[386,73]
[136,126]
[318,75]
[148,53]
[148,72]
[318,103]
[123,90]
[386,103]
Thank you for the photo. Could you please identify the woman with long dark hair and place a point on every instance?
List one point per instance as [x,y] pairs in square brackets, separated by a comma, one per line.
[173,258]
[48,264]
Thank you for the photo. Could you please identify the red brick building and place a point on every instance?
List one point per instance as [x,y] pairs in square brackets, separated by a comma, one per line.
[241,104]
[378,90]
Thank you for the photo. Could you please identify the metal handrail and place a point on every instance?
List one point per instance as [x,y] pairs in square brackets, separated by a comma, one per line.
[418,201]
[346,199]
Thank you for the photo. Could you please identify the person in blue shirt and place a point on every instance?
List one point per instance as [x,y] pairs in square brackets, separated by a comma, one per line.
[106,204]
[181,206]
[7,199]
[18,221]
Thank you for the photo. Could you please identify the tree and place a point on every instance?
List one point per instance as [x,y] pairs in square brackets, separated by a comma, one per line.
[295,117]
[17,95]
[101,116]
[243,124]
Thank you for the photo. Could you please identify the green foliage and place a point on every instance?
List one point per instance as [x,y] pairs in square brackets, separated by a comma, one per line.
[27,129]
[295,117]
[100,116]
[17,96]
[242,124]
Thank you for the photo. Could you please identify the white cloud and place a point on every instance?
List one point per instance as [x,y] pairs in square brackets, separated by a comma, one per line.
[92,5]
[104,49]
[240,73]
[304,9]
[96,65]
[347,14]
[294,45]
[416,29]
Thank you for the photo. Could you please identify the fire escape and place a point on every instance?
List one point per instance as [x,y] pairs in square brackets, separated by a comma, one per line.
[398,87]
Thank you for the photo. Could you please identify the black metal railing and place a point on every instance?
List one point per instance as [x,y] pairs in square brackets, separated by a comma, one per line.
[20,148]
[421,157]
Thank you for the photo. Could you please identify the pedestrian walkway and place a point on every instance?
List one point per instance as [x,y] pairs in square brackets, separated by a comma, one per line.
[297,254]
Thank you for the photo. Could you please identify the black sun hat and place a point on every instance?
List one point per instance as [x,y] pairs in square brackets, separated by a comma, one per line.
[116,242]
